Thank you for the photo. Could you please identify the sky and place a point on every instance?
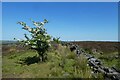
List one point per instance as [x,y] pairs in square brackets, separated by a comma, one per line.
[79,21]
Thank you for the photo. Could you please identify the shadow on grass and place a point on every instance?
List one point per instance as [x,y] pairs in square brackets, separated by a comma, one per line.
[29,60]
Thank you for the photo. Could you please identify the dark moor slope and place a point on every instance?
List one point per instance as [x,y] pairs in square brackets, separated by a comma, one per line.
[99,45]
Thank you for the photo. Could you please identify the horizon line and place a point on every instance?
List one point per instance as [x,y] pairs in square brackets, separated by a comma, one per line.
[80,40]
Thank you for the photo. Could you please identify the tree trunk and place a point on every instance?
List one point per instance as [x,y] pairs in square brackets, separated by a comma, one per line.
[41,57]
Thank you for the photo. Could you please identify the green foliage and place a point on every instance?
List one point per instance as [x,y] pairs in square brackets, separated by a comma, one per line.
[88,51]
[62,63]
[108,59]
[118,65]
[56,40]
[71,56]
[65,63]
[40,40]
[16,67]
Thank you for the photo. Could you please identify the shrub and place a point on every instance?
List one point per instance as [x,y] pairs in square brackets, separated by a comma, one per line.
[40,40]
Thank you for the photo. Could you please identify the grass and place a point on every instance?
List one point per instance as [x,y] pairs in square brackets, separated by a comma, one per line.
[61,63]
[13,69]
[65,63]
[108,59]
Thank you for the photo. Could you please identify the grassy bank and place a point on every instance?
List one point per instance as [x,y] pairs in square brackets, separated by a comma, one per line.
[61,63]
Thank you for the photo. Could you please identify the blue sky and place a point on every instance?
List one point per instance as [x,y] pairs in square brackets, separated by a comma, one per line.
[84,21]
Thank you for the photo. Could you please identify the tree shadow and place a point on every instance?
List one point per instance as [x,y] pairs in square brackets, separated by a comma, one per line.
[29,60]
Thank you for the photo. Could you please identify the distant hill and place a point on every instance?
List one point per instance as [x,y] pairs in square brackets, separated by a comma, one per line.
[104,46]
[7,42]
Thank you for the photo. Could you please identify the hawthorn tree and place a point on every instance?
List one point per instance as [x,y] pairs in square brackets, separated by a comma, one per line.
[39,40]
[56,40]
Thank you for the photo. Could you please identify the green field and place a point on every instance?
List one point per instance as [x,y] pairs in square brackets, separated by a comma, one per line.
[61,63]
